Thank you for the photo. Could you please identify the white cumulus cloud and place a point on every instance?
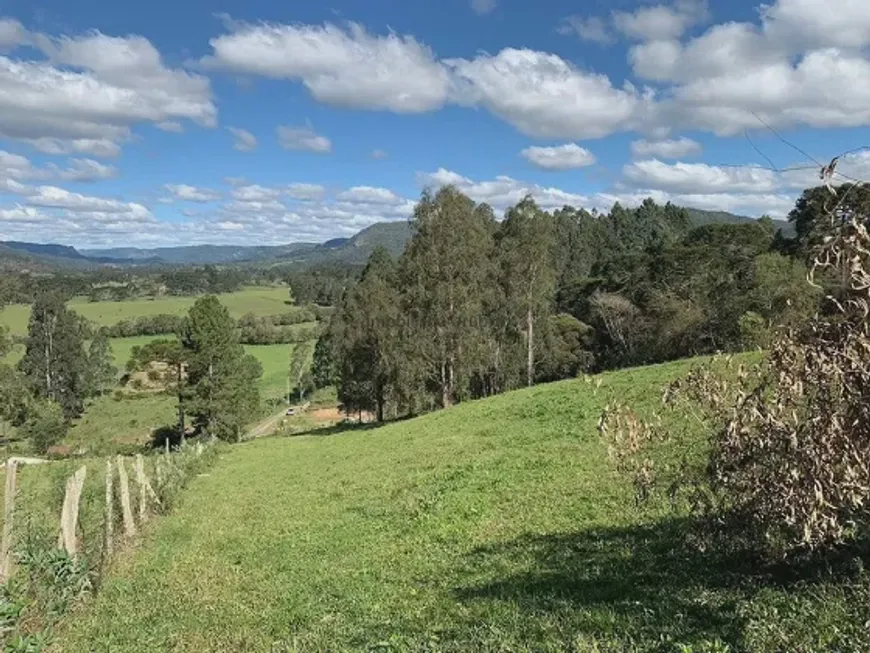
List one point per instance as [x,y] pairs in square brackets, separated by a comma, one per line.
[561,157]
[348,68]
[501,192]
[669,148]
[592,28]
[17,167]
[482,7]
[545,96]
[187,193]
[303,139]
[369,195]
[698,178]
[89,90]
[661,22]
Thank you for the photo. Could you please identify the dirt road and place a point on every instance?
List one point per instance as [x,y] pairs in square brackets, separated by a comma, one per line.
[266,427]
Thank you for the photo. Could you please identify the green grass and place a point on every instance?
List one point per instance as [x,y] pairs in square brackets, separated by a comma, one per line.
[110,424]
[497,525]
[122,348]
[257,300]
[45,584]
[275,360]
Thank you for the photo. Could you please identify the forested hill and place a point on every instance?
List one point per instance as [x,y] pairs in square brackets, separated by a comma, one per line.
[700,217]
[393,236]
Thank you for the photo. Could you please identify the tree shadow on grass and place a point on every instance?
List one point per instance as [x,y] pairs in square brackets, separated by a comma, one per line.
[640,585]
[336,429]
[346,427]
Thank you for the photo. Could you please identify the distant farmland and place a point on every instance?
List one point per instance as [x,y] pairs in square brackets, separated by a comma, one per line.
[260,301]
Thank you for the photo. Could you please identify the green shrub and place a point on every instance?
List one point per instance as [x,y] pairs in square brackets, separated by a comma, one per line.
[45,425]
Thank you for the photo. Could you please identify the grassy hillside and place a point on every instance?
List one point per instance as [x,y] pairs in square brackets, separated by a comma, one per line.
[257,300]
[497,525]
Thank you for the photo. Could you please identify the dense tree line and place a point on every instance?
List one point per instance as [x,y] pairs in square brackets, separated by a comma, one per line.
[252,329]
[322,284]
[265,334]
[476,307]
[125,283]
[145,325]
[207,279]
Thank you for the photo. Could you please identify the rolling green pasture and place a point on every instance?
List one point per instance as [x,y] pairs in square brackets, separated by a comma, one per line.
[275,360]
[496,525]
[257,300]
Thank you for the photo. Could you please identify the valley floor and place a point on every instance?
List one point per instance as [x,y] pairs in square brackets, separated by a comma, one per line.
[497,525]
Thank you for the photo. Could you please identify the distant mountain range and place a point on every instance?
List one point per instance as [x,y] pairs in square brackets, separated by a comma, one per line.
[357,249]
[394,236]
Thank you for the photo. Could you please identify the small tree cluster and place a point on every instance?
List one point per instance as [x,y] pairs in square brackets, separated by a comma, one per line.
[465,312]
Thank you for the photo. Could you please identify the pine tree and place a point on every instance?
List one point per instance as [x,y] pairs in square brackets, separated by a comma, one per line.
[526,243]
[101,374]
[222,379]
[55,362]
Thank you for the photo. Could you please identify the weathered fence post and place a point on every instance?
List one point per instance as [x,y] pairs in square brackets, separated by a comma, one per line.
[69,516]
[8,514]
[158,472]
[110,515]
[124,485]
[145,489]
[140,481]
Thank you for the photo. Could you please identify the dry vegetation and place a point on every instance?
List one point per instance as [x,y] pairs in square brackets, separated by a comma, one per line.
[786,471]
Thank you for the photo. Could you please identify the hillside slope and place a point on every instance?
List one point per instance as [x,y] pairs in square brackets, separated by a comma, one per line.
[496,525]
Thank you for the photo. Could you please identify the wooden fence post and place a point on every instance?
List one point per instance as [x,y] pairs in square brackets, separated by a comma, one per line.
[158,469]
[140,481]
[124,485]
[110,513]
[145,489]
[69,516]
[8,515]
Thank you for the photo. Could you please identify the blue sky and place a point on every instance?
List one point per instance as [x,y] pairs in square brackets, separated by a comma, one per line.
[168,123]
